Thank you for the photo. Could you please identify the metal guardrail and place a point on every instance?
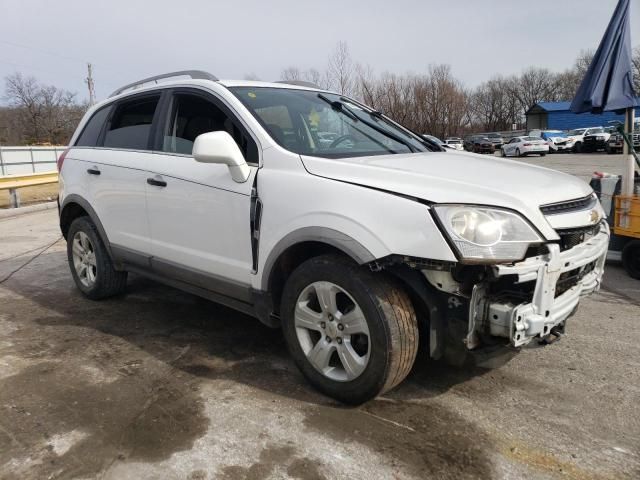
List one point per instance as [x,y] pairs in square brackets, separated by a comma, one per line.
[14,182]
[23,160]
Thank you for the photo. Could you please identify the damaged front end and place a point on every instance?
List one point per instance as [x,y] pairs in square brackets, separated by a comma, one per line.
[515,304]
[482,312]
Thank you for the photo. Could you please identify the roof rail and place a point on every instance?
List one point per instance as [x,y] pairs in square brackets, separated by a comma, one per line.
[299,83]
[195,74]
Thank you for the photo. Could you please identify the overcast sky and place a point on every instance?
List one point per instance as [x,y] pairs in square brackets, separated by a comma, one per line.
[129,40]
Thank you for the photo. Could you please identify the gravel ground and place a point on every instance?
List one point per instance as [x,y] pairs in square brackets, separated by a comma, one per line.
[161,384]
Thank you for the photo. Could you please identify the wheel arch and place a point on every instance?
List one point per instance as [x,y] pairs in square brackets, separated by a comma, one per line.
[301,245]
[75,206]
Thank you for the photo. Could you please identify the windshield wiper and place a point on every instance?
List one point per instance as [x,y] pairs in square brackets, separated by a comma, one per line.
[343,108]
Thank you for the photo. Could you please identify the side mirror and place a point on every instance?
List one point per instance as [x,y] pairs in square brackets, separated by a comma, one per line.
[220,147]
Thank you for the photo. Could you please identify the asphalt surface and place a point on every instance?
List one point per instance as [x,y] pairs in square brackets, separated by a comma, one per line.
[162,384]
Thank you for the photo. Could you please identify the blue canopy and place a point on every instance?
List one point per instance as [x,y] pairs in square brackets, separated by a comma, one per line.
[608,83]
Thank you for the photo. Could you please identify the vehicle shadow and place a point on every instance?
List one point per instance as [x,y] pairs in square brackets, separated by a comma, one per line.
[199,337]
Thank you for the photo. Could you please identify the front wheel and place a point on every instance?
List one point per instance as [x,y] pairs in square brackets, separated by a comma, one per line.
[90,264]
[502,154]
[518,154]
[353,333]
[543,154]
[631,258]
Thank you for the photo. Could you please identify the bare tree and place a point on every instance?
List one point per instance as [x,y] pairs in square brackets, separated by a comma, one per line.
[341,70]
[45,114]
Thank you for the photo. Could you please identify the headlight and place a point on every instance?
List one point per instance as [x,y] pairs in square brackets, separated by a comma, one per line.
[483,235]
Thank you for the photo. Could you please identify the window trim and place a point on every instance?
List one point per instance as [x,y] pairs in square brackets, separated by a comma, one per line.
[118,104]
[165,122]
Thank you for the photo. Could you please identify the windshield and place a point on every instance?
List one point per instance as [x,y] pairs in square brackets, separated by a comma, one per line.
[324,124]
[577,131]
[433,139]
[454,142]
[493,135]
[596,130]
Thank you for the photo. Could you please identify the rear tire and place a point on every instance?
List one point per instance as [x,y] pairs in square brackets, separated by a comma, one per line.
[631,258]
[90,264]
[382,351]
[543,154]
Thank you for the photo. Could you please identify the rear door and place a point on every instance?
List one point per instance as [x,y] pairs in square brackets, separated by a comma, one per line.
[199,218]
[117,174]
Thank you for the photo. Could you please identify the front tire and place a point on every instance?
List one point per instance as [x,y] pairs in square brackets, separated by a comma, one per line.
[631,258]
[352,333]
[90,264]
[518,154]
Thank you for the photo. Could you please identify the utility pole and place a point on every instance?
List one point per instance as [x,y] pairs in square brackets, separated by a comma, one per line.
[89,82]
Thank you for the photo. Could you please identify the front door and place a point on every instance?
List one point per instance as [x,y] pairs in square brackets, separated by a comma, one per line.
[199,217]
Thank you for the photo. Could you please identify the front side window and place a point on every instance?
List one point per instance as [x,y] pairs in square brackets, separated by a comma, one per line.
[130,126]
[193,115]
[325,124]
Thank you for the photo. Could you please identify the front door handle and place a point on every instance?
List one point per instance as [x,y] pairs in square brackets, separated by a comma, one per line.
[93,171]
[156,182]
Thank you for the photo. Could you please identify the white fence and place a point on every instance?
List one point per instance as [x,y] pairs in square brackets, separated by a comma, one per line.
[23,160]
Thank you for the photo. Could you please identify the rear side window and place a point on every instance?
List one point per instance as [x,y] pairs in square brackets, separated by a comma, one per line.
[130,124]
[91,132]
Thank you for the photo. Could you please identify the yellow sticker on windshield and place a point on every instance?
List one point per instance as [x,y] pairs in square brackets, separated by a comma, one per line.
[251,94]
[314,117]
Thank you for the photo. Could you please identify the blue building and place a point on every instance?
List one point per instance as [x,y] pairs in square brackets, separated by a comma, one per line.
[556,116]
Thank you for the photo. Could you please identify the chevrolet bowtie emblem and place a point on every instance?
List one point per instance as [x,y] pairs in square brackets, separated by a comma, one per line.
[594,216]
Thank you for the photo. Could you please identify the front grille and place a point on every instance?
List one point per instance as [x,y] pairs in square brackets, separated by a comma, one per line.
[569,206]
[570,237]
[571,278]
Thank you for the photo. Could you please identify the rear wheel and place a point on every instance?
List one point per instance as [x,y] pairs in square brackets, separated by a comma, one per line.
[90,264]
[631,258]
[542,154]
[352,333]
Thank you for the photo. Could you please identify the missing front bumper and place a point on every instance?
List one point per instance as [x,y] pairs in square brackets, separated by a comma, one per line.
[560,279]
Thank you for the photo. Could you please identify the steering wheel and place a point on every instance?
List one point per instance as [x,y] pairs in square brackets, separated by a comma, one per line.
[341,139]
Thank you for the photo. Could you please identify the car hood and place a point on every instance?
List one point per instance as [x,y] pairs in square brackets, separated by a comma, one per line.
[458,177]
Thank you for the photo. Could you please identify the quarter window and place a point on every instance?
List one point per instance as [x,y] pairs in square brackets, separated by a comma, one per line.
[130,125]
[193,115]
[91,132]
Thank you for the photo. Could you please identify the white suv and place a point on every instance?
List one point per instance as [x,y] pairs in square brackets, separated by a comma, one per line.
[316,214]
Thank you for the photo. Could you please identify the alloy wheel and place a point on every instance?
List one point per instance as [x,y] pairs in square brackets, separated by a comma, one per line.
[84,259]
[332,331]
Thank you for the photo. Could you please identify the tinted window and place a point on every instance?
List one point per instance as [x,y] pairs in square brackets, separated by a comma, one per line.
[193,115]
[130,125]
[91,131]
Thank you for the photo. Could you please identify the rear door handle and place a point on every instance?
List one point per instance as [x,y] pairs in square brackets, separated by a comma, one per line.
[93,171]
[156,181]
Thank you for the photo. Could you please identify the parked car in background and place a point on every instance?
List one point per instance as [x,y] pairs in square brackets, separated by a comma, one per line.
[558,141]
[616,142]
[496,139]
[455,142]
[578,135]
[595,140]
[523,146]
[478,144]
[437,141]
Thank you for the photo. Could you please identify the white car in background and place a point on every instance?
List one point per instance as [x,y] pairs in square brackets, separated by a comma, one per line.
[558,141]
[455,143]
[578,134]
[522,146]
